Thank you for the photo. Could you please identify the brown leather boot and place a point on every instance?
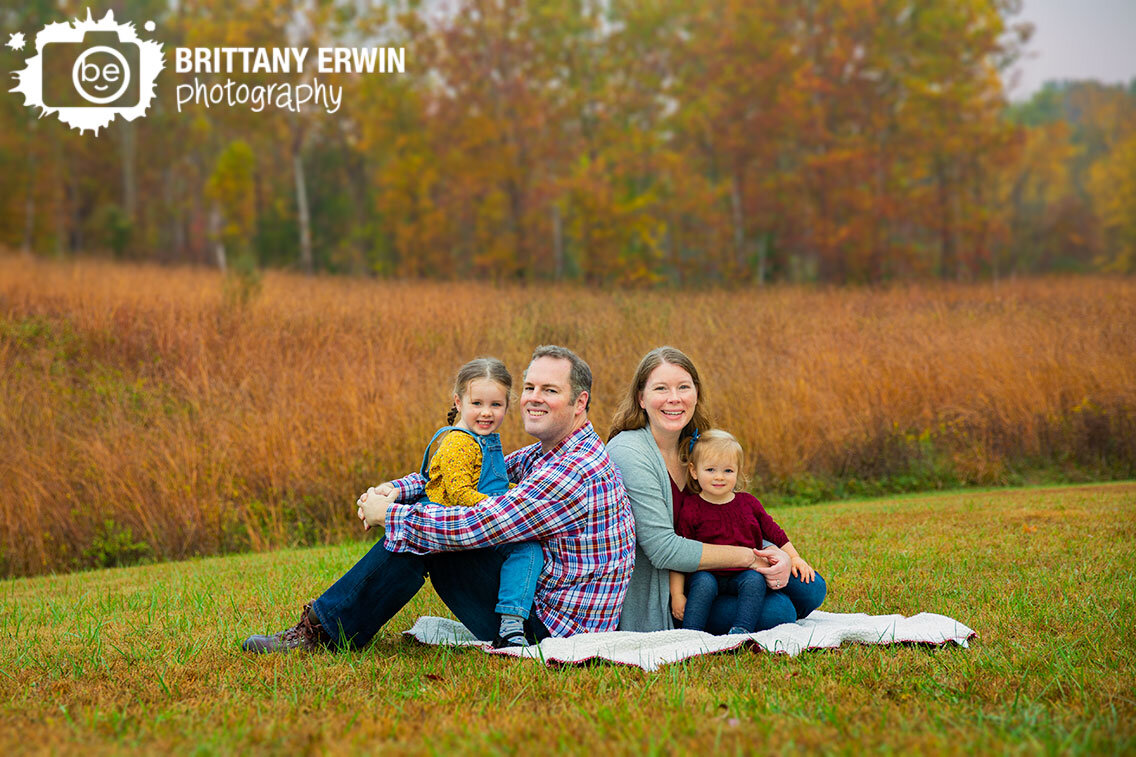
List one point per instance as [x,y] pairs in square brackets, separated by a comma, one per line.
[308,634]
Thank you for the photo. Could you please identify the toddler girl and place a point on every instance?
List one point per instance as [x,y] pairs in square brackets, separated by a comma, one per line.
[715,511]
[470,466]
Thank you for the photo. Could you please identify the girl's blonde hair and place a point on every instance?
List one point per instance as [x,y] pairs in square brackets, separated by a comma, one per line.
[480,368]
[630,416]
[717,442]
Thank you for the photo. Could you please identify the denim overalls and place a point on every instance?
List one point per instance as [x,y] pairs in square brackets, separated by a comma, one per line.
[523,560]
[494,479]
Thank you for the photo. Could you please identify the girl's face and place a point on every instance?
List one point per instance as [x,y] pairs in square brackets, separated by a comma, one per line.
[482,408]
[669,397]
[717,476]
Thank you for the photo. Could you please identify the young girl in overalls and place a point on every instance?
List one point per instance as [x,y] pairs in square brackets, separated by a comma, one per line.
[714,510]
[470,466]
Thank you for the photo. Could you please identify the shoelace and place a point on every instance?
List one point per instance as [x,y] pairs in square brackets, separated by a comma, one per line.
[303,632]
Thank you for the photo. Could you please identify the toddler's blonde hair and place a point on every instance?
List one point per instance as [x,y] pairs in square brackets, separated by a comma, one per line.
[717,442]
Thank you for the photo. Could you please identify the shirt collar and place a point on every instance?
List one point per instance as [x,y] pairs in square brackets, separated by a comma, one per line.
[573,438]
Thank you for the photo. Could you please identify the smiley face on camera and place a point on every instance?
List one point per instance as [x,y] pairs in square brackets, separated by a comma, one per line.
[100,71]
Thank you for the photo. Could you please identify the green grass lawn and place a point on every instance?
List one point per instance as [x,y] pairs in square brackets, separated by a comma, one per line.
[147,658]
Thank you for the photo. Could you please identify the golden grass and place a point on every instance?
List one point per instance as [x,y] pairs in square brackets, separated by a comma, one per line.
[145,413]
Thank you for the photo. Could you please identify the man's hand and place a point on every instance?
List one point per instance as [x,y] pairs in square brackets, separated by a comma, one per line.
[678,605]
[372,505]
[776,572]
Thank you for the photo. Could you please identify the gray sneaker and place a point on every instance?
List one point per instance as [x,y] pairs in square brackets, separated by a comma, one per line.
[308,635]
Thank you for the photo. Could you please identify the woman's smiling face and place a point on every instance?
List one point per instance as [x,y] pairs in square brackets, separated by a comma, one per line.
[669,397]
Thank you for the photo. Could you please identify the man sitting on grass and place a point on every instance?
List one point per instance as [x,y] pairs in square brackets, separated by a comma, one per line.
[568,496]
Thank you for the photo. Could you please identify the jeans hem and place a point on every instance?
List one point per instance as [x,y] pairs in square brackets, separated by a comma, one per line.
[511,610]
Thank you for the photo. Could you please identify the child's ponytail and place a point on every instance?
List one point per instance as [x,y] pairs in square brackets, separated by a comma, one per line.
[452,415]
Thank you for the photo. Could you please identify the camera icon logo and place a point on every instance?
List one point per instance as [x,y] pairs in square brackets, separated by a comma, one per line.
[98,71]
[90,72]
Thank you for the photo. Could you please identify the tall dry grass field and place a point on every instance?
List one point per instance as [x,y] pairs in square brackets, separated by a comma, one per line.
[148,413]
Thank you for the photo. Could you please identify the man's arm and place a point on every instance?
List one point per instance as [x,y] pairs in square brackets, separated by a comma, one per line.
[408,487]
[549,503]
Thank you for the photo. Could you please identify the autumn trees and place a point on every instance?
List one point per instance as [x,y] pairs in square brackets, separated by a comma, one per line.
[618,141]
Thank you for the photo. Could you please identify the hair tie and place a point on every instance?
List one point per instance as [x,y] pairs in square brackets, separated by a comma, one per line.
[693,439]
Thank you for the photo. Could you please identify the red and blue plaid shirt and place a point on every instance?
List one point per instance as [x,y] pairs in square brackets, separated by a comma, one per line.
[571,500]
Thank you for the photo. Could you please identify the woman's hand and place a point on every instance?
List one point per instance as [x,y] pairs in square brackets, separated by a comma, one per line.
[678,605]
[802,569]
[777,570]
[372,505]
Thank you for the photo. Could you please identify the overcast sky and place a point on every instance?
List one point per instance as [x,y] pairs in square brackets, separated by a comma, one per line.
[1077,39]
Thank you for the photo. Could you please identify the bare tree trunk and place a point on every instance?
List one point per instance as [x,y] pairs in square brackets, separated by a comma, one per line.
[129,172]
[947,248]
[306,261]
[762,256]
[75,223]
[173,238]
[738,215]
[215,236]
[672,251]
[62,202]
[30,205]
[515,221]
[557,242]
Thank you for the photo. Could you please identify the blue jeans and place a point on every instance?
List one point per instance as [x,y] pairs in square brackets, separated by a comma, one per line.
[369,594]
[703,587]
[787,605]
[519,572]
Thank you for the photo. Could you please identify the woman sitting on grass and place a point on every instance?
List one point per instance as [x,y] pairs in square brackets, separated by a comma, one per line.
[663,407]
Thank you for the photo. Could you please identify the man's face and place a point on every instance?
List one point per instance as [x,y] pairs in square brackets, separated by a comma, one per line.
[546,401]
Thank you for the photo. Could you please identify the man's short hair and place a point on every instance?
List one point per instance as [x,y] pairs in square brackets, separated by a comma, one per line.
[580,377]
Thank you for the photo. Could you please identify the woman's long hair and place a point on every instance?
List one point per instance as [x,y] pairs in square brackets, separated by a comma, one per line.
[629,415]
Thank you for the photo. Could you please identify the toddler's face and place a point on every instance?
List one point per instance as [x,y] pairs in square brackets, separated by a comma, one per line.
[717,476]
[482,408]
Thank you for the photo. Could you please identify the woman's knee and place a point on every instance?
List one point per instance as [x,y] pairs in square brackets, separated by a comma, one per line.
[809,596]
[777,609]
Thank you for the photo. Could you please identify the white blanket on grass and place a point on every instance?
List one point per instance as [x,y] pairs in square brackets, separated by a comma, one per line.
[649,651]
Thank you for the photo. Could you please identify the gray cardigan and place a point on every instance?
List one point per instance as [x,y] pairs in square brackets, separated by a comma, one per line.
[658,549]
